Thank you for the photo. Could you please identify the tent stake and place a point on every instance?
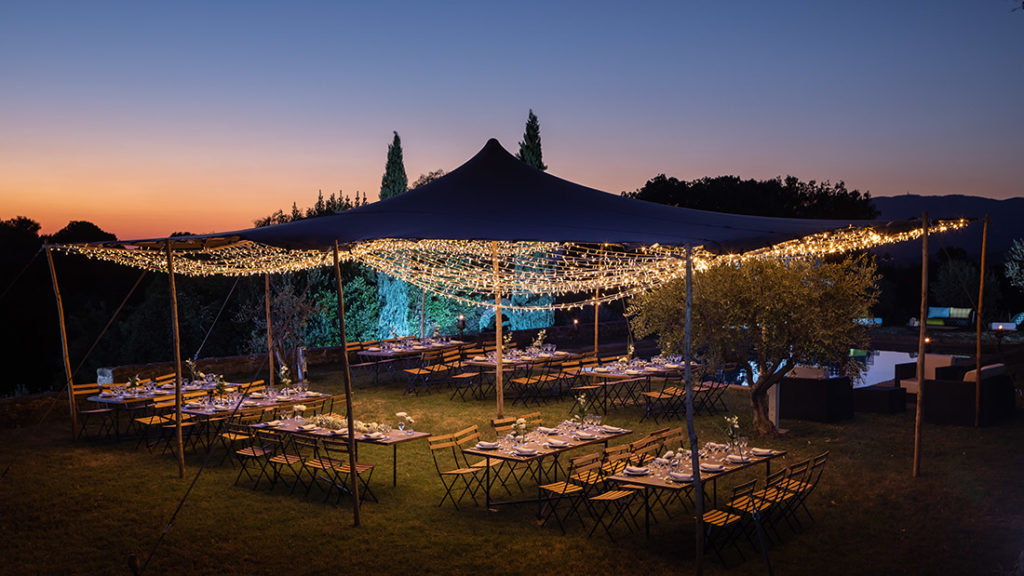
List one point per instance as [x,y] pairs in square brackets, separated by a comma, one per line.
[347,377]
[177,362]
[64,346]
[977,355]
[920,343]
[499,386]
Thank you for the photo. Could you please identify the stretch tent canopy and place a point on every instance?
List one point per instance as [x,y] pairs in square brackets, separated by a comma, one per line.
[547,236]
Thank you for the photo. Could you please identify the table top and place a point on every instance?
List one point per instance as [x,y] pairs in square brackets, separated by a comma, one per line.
[522,359]
[294,425]
[658,474]
[539,442]
[408,350]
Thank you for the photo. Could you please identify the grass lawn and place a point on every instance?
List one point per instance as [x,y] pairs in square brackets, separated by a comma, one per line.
[84,507]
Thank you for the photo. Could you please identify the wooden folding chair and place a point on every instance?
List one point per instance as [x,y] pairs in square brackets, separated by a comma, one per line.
[573,489]
[455,476]
[285,460]
[328,461]
[724,526]
[252,453]
[99,416]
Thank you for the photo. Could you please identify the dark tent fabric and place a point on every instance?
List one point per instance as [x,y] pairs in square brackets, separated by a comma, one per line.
[494,196]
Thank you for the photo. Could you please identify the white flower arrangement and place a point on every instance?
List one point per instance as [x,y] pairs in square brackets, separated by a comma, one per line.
[579,411]
[299,408]
[193,369]
[539,340]
[134,381]
[732,426]
[284,376]
[404,417]
[519,427]
[506,342]
[330,421]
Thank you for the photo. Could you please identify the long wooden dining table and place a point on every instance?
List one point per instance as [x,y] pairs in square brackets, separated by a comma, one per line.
[712,469]
[536,447]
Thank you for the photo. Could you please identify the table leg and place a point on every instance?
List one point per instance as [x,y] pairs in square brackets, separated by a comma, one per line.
[647,513]
[487,484]
[394,468]
[540,499]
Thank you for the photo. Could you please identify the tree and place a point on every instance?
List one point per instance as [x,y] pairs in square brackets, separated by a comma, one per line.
[766,316]
[529,148]
[395,181]
[80,231]
[427,178]
[956,284]
[1015,264]
[392,293]
[789,197]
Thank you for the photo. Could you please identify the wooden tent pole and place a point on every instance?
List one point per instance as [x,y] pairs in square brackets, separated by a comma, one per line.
[920,343]
[597,294]
[347,377]
[270,337]
[698,486]
[177,362]
[977,355]
[423,317]
[64,345]
[499,388]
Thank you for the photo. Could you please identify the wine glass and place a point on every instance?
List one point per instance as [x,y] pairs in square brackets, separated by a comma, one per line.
[401,424]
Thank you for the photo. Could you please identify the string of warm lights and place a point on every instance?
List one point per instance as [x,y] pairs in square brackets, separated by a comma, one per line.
[463,270]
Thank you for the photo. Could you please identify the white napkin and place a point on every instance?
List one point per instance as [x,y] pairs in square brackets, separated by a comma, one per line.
[557,443]
[761,451]
[612,429]
[525,451]
[636,471]
[706,467]
[680,476]
[663,461]
[487,445]
[736,458]
[373,436]
[585,436]
[307,427]
[274,423]
[543,430]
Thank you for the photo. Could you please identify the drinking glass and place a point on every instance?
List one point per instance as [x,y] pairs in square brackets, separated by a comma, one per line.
[401,425]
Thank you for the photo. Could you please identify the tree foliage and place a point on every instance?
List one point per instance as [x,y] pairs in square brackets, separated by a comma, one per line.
[1015,264]
[529,147]
[765,316]
[427,178]
[395,181]
[789,197]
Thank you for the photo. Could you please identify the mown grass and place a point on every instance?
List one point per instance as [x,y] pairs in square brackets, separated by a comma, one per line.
[83,508]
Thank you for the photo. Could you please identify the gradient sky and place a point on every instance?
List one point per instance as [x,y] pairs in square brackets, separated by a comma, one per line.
[147,117]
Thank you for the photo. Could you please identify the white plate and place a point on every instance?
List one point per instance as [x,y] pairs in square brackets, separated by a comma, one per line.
[631,471]
[711,467]
[679,477]
[486,445]
[737,459]
[585,436]
[762,451]
[557,444]
[374,436]
[612,430]
[525,452]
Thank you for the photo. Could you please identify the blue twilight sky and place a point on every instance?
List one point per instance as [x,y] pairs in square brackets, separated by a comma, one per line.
[151,117]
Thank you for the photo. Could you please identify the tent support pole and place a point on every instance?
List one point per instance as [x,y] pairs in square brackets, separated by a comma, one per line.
[64,345]
[177,362]
[347,377]
[423,316]
[920,343]
[270,337]
[597,294]
[499,386]
[698,485]
[977,355]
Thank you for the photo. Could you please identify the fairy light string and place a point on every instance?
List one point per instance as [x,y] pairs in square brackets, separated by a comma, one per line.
[462,270]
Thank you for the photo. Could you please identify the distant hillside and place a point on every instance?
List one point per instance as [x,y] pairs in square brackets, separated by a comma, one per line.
[1006,223]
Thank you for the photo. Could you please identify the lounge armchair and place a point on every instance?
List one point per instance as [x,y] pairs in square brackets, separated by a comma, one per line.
[950,397]
[905,375]
[808,393]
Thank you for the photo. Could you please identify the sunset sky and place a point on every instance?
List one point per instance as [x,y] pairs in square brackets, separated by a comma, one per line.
[147,118]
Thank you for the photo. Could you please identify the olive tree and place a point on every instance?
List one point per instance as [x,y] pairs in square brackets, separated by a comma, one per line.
[765,316]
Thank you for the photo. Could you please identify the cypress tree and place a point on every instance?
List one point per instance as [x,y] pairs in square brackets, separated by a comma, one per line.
[392,293]
[529,148]
[395,181]
[529,152]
